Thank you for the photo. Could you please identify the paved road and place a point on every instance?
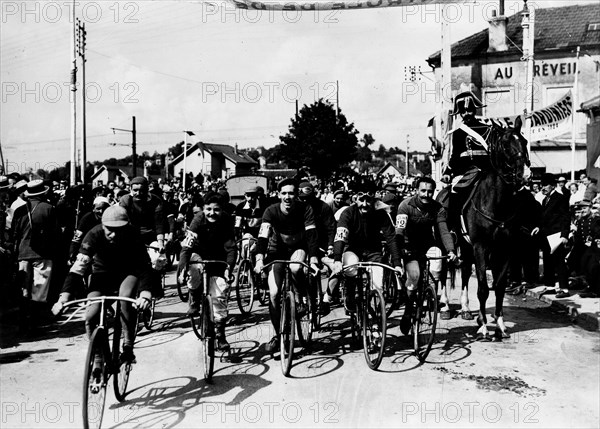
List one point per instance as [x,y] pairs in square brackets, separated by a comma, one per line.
[545,375]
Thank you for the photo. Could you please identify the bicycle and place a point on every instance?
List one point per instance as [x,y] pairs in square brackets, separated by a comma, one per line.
[290,320]
[245,282]
[425,313]
[100,356]
[392,285]
[368,318]
[203,323]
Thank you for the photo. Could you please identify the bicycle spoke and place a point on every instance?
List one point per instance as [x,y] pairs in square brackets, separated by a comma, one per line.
[374,328]
[425,322]
[95,380]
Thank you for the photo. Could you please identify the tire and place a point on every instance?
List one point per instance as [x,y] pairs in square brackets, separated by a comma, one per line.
[374,323]
[287,328]
[390,292]
[244,287]
[94,390]
[148,315]
[121,371]
[425,322]
[207,339]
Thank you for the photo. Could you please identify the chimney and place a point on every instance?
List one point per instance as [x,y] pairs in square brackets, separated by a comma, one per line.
[262,162]
[497,31]
[236,148]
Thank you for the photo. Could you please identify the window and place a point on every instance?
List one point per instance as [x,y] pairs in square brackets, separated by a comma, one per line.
[594,27]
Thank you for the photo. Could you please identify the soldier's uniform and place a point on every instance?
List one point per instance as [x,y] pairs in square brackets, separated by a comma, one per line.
[586,248]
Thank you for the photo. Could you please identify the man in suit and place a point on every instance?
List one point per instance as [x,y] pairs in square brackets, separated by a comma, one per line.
[555,219]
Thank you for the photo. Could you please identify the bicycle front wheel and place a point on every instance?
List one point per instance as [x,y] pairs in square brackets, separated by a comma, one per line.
[148,315]
[244,287]
[287,327]
[95,378]
[390,292]
[374,327]
[121,369]
[425,322]
[207,338]
[182,290]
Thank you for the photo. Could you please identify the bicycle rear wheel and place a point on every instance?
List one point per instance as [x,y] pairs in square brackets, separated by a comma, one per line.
[95,378]
[262,290]
[374,326]
[287,327]
[305,322]
[207,338]
[425,322]
[244,287]
[121,369]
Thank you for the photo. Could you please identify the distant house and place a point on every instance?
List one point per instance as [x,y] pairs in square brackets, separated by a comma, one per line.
[120,174]
[215,160]
[389,169]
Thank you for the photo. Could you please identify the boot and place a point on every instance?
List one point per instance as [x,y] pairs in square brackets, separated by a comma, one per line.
[222,344]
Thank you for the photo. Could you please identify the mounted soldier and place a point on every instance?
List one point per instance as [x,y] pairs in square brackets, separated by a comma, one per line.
[467,152]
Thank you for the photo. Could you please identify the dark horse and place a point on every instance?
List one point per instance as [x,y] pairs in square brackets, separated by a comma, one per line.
[489,215]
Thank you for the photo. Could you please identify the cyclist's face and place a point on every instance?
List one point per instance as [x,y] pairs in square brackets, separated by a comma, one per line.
[212,212]
[251,198]
[139,191]
[99,209]
[425,192]
[112,233]
[365,203]
[288,196]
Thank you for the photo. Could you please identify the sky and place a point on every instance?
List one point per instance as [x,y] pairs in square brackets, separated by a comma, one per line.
[230,76]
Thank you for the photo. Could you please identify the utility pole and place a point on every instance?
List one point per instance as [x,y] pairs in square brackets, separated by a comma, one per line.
[3,171]
[133,146]
[73,150]
[337,98]
[574,100]
[528,50]
[407,137]
[81,42]
[185,148]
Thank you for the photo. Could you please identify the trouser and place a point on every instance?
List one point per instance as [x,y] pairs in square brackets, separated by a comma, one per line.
[590,263]
[555,264]
[35,276]
[275,280]
[103,284]
[217,288]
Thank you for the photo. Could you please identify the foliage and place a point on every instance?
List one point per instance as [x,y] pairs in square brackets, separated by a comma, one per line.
[319,139]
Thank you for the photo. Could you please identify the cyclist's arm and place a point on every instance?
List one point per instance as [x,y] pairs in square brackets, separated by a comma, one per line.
[160,223]
[444,231]
[310,228]
[230,248]
[389,234]
[329,221]
[342,234]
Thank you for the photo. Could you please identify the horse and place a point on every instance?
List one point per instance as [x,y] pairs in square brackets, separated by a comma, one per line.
[488,215]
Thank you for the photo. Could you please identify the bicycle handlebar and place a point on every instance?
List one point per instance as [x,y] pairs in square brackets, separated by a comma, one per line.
[367,265]
[436,258]
[282,261]
[251,239]
[90,301]
[209,262]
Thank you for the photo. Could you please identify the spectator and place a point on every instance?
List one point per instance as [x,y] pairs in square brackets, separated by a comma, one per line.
[555,219]
[35,230]
[591,188]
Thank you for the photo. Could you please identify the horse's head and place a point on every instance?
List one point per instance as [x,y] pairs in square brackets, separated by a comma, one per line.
[508,151]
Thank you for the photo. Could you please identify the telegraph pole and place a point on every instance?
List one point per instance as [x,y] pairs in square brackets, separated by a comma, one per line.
[81,42]
[133,146]
[73,150]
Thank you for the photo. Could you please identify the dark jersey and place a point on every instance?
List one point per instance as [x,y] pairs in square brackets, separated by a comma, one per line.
[283,233]
[126,256]
[147,216]
[86,223]
[210,240]
[363,234]
[248,219]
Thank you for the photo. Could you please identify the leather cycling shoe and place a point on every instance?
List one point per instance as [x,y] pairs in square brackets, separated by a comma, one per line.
[273,345]
[127,355]
[193,310]
[325,309]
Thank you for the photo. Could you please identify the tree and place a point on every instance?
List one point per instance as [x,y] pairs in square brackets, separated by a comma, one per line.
[319,139]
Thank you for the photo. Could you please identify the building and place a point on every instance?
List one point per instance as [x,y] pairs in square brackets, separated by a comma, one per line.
[489,63]
[592,109]
[215,160]
[121,175]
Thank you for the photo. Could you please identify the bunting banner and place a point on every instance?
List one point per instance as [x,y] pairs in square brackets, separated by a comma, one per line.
[547,123]
[302,5]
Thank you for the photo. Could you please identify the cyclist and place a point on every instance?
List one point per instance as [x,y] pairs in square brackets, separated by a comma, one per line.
[210,236]
[287,232]
[87,222]
[248,216]
[118,259]
[360,231]
[420,225]
[146,213]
